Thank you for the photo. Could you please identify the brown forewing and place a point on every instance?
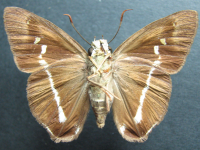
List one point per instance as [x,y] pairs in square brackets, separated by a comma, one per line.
[24,27]
[131,76]
[173,36]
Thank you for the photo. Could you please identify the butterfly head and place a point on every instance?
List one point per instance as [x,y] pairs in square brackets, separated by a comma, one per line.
[99,47]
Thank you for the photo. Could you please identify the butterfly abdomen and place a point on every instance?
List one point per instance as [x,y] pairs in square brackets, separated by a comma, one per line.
[97,99]
[100,99]
[100,77]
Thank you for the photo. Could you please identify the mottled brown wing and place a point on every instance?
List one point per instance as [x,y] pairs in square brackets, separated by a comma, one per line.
[144,91]
[57,87]
[166,42]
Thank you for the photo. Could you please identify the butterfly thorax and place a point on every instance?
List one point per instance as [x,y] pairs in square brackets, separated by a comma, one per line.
[100,77]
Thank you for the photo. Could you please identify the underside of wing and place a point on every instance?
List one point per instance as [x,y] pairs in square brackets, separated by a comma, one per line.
[166,42]
[144,91]
[34,40]
[57,89]
[58,98]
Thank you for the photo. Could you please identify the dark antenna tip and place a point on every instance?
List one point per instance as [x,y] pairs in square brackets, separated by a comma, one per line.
[122,15]
[120,23]
[70,18]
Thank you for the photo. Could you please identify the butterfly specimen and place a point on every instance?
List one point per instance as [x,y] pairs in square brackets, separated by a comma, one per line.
[65,79]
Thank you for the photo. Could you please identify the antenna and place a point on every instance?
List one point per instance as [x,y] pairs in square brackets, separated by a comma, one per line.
[70,18]
[120,23]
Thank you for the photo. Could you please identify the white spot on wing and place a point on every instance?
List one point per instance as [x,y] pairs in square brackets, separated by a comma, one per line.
[49,130]
[43,50]
[43,62]
[37,40]
[156,50]
[138,116]
[77,130]
[151,129]
[157,62]
[122,129]
[163,41]
[62,117]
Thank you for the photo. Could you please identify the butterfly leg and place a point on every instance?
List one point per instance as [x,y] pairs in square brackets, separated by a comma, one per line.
[108,55]
[92,60]
[107,101]
[98,67]
[105,91]
[102,87]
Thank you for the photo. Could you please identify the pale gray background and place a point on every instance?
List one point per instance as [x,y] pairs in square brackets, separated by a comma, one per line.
[180,128]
